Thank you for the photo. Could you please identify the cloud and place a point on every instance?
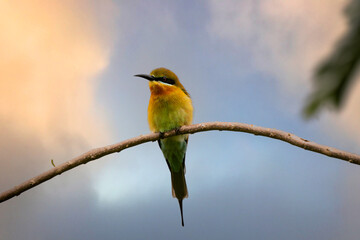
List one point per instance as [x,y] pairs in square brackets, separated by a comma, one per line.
[283,36]
[51,54]
[287,39]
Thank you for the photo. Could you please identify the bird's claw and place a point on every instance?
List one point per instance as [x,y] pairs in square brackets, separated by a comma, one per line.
[161,135]
[177,130]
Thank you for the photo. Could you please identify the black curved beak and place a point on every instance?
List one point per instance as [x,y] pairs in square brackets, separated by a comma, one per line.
[148,77]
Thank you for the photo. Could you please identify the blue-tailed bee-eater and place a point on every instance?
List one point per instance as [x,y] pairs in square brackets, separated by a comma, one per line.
[170,107]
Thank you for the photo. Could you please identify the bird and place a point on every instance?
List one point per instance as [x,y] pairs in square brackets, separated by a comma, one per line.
[170,107]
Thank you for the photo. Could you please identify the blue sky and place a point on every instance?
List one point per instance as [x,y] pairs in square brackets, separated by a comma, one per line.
[241,61]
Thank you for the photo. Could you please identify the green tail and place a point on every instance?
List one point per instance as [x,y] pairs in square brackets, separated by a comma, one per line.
[179,188]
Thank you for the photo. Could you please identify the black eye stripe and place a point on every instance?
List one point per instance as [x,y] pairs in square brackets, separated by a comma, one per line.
[165,80]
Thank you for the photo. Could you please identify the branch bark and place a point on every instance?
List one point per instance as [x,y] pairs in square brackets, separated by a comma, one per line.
[201,127]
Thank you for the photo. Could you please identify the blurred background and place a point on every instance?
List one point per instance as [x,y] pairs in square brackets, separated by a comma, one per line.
[67,86]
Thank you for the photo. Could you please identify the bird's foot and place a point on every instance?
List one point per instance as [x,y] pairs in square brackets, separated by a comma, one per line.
[161,135]
[177,130]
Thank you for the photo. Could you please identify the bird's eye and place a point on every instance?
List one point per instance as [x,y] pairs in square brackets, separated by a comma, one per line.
[169,81]
[166,80]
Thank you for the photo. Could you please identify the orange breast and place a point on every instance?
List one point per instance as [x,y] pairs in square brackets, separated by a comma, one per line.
[169,107]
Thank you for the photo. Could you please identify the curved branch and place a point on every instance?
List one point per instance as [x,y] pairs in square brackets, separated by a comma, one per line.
[201,127]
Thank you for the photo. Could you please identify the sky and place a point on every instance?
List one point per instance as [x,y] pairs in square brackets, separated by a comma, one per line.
[67,86]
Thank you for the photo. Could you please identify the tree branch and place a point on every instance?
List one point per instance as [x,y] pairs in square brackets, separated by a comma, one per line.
[201,127]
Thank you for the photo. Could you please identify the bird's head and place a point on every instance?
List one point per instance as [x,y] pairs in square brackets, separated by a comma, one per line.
[162,77]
